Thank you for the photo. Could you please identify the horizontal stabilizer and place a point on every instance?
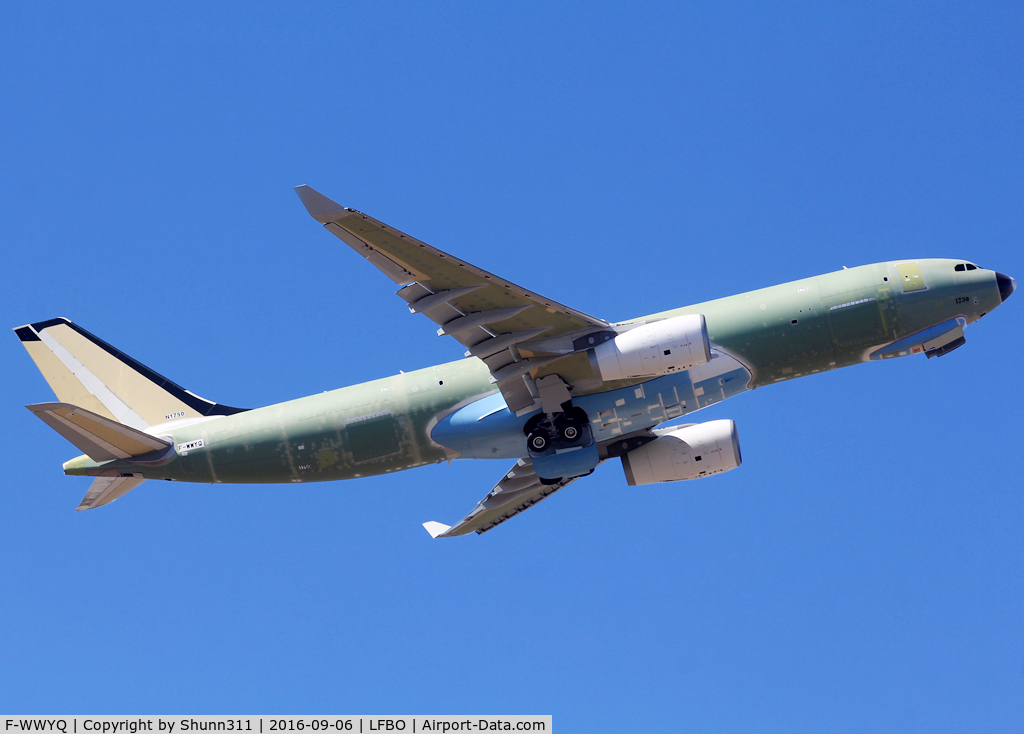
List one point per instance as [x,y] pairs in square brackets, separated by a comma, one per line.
[101,439]
[105,490]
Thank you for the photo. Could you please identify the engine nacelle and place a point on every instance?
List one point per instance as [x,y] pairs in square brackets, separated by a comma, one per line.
[690,452]
[651,350]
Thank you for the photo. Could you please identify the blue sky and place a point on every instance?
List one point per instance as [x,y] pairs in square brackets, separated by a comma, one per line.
[862,569]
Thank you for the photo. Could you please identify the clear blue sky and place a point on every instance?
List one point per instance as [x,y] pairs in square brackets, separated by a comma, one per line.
[862,571]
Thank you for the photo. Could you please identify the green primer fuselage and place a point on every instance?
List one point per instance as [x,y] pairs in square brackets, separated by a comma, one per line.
[777,333]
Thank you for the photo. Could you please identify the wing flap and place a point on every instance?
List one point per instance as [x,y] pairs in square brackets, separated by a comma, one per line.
[519,490]
[483,312]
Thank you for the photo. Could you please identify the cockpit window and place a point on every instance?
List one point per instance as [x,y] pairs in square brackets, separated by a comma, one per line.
[959,268]
[971,267]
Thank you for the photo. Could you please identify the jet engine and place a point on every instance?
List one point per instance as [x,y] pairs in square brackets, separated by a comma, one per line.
[691,452]
[659,348]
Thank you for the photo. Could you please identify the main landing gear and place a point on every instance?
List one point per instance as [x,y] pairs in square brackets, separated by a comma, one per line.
[558,431]
[561,445]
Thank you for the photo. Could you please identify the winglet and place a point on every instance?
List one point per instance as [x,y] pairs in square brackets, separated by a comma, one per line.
[319,206]
[436,528]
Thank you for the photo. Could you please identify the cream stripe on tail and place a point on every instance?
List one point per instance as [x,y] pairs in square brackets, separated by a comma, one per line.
[84,370]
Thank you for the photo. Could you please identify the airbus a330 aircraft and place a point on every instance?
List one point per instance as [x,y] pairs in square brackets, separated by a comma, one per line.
[543,385]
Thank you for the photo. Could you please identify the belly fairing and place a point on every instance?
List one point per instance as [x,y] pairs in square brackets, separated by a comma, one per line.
[486,429]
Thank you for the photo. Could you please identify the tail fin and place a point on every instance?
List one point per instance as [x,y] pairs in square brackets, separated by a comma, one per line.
[85,371]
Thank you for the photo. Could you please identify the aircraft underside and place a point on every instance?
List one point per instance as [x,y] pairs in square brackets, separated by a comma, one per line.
[546,386]
[486,429]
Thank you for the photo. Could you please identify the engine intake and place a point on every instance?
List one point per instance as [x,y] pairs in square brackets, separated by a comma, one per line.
[690,452]
[656,349]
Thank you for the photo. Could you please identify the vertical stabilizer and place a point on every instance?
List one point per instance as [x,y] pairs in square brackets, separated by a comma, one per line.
[85,371]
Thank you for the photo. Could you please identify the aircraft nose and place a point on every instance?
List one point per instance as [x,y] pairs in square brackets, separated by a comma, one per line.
[1006,285]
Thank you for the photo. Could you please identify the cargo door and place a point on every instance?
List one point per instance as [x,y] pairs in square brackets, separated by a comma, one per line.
[854,311]
[371,437]
[857,323]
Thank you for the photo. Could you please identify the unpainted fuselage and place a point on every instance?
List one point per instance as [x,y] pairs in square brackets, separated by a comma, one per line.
[453,410]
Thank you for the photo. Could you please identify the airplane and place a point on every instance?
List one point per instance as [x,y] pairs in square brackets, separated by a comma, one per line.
[545,386]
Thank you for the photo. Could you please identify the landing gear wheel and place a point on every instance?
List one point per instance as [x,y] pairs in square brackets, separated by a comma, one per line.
[538,441]
[570,432]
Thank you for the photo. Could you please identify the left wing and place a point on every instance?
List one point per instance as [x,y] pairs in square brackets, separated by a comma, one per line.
[519,490]
[487,314]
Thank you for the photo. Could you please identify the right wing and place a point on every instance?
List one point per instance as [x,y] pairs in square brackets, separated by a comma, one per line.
[485,313]
[519,490]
